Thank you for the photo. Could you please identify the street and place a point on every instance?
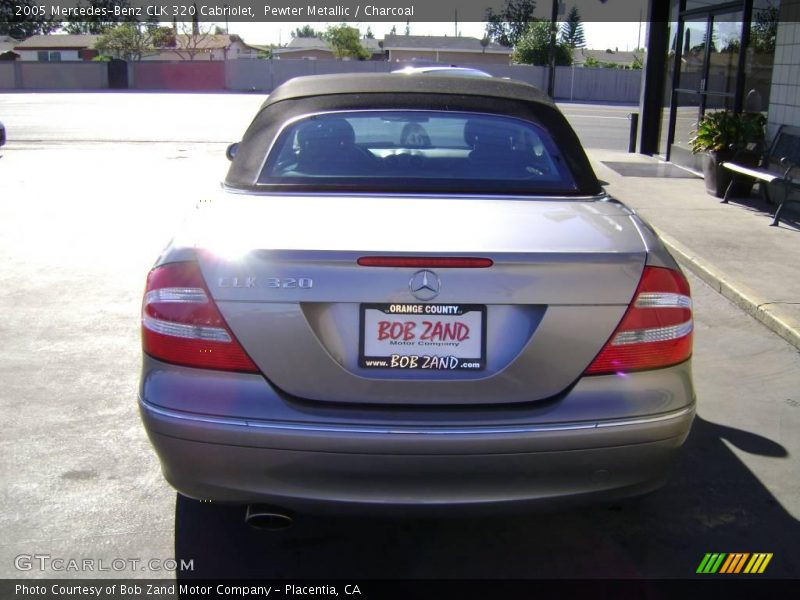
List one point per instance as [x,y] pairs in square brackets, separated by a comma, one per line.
[600,125]
[92,187]
[108,117]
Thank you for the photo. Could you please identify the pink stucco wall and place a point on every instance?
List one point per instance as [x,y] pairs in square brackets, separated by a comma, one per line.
[184,75]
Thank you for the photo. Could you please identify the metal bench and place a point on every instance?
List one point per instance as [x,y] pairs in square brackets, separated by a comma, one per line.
[777,173]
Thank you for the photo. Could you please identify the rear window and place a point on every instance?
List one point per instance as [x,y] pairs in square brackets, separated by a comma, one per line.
[417,151]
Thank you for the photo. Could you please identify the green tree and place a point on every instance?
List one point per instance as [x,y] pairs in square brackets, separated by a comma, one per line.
[408,28]
[19,27]
[95,25]
[511,24]
[534,47]
[306,31]
[345,42]
[265,51]
[701,47]
[393,30]
[369,35]
[764,30]
[732,46]
[163,37]
[128,41]
[572,30]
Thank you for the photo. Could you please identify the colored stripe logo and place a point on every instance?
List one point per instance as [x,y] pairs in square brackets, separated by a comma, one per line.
[734,563]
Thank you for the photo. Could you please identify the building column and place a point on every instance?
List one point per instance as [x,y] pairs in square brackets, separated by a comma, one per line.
[651,100]
[784,97]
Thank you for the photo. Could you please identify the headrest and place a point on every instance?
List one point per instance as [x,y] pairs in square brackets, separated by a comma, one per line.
[485,133]
[326,131]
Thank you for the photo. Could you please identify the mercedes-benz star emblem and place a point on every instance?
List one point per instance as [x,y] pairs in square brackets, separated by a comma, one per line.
[425,285]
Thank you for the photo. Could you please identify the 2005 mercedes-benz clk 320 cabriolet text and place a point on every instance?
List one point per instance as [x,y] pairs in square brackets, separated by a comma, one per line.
[412,293]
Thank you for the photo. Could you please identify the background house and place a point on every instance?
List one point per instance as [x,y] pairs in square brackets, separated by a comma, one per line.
[622,59]
[444,49]
[309,48]
[314,48]
[56,48]
[205,47]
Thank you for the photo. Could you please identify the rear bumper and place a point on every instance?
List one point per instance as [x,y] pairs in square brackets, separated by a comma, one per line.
[411,469]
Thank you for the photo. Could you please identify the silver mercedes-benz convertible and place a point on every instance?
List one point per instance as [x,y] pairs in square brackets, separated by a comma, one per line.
[412,294]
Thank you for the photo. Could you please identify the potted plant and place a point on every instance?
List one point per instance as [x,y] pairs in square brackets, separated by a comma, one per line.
[725,135]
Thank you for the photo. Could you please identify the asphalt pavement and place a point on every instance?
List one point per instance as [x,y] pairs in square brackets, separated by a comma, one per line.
[600,126]
[198,117]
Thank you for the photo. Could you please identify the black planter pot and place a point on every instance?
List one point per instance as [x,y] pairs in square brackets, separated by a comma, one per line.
[717,179]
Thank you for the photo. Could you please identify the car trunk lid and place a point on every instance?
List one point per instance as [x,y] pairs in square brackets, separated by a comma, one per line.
[284,272]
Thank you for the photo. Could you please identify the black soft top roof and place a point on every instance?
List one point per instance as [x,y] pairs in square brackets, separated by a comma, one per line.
[399,83]
[303,96]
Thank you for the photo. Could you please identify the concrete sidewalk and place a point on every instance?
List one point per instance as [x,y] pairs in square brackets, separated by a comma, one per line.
[731,247]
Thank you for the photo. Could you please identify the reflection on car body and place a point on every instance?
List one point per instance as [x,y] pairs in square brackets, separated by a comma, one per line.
[472,322]
[442,70]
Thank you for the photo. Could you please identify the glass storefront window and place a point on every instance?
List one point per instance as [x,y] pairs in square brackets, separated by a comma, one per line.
[669,72]
[693,55]
[708,67]
[760,55]
[725,47]
[687,106]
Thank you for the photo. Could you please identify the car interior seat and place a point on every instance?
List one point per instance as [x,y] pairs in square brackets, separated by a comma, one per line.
[327,147]
[495,146]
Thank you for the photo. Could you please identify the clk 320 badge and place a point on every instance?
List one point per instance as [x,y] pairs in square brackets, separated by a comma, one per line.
[303,283]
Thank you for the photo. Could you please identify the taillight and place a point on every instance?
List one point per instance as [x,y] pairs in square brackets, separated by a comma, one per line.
[656,330]
[182,325]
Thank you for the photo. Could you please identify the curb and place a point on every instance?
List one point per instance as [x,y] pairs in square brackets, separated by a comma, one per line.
[745,299]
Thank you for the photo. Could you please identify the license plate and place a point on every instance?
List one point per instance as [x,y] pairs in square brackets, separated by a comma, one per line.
[423,336]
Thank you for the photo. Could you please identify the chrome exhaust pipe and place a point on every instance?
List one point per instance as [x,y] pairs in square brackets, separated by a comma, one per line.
[267,518]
